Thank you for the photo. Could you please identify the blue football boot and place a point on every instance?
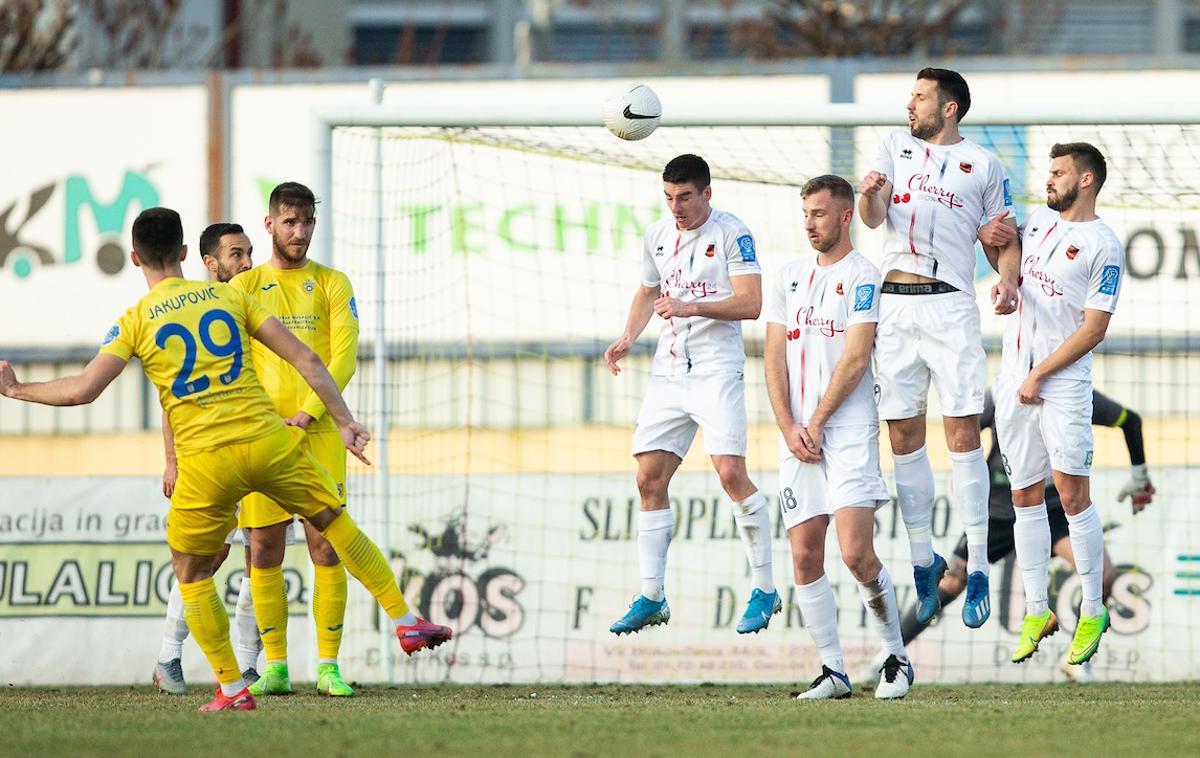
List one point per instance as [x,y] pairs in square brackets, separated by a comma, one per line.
[759,610]
[642,612]
[927,578]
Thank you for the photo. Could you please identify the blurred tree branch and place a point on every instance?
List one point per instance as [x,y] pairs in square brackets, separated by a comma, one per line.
[851,28]
[35,35]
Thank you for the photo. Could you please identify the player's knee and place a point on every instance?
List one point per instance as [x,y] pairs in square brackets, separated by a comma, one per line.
[1074,501]
[733,477]
[863,564]
[962,435]
[906,436]
[652,484]
[322,553]
[808,566]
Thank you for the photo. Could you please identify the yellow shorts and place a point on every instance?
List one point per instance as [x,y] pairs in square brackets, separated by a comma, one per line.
[258,509]
[204,506]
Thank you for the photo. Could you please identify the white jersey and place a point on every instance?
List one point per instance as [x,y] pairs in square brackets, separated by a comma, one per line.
[1066,267]
[692,265]
[816,304]
[941,195]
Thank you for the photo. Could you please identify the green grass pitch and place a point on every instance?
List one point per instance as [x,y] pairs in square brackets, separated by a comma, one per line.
[1133,720]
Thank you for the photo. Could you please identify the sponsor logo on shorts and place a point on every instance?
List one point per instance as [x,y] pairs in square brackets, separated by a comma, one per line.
[111,335]
[1004,460]
[1087,459]
[864,297]
[1109,278]
[878,392]
[745,244]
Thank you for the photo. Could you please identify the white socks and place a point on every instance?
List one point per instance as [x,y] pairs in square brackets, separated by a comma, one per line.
[176,630]
[408,619]
[818,607]
[879,597]
[1087,542]
[1031,535]
[914,490]
[970,482]
[753,518]
[655,530]
[248,643]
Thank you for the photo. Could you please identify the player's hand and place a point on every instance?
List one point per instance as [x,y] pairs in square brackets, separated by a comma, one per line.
[816,434]
[301,419]
[615,352]
[355,437]
[801,445]
[996,233]
[1140,492]
[872,183]
[1004,297]
[1030,391]
[170,475]
[668,307]
[8,378]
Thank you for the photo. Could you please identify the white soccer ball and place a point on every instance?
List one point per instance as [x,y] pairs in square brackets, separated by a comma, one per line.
[633,113]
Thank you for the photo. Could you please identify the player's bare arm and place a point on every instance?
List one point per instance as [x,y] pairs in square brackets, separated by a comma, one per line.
[285,344]
[849,371]
[640,312]
[80,389]
[1005,291]
[779,392]
[1079,344]
[745,303]
[171,469]
[875,192]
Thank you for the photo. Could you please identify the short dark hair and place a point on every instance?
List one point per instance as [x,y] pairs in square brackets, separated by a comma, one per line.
[294,194]
[1086,156]
[687,169]
[951,86]
[158,237]
[838,187]
[210,238]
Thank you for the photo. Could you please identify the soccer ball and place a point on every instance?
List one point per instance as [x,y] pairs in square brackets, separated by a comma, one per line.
[633,113]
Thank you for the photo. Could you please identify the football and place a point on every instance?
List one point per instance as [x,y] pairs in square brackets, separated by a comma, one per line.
[633,113]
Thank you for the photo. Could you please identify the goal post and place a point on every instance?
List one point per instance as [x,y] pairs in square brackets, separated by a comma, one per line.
[494,252]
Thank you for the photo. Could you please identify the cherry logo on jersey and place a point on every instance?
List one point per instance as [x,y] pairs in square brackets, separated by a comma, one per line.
[1072,251]
[697,289]
[921,183]
[1049,286]
[793,335]
[898,198]
[711,250]
[965,167]
[826,327]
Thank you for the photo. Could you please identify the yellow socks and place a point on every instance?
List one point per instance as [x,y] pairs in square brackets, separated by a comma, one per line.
[271,611]
[364,561]
[329,609]
[209,623]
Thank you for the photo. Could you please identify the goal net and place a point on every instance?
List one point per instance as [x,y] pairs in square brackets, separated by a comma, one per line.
[493,265]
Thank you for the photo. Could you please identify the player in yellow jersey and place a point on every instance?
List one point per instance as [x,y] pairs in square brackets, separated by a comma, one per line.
[190,338]
[226,252]
[316,303]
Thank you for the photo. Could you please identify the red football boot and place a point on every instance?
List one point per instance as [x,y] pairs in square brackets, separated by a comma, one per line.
[422,634]
[243,701]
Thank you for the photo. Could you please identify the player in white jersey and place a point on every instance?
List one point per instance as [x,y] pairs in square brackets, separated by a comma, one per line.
[821,314]
[1070,281]
[701,275]
[934,189]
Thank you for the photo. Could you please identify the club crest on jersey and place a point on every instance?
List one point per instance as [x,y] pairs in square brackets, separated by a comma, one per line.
[711,250]
[1109,278]
[745,244]
[965,167]
[354,307]
[864,297]
[309,286]
[111,335]
[1072,251]
[839,289]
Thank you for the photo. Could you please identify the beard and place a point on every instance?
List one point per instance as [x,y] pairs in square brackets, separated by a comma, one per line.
[1063,200]
[829,242]
[288,252]
[929,127]
[225,274]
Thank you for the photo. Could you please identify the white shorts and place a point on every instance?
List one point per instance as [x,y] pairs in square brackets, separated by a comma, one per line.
[675,405]
[923,336]
[1053,434]
[240,536]
[847,476]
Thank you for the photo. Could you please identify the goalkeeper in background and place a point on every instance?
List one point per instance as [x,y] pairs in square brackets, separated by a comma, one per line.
[1138,490]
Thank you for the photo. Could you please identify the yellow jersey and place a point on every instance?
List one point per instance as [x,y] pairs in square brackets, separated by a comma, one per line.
[316,303]
[192,339]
